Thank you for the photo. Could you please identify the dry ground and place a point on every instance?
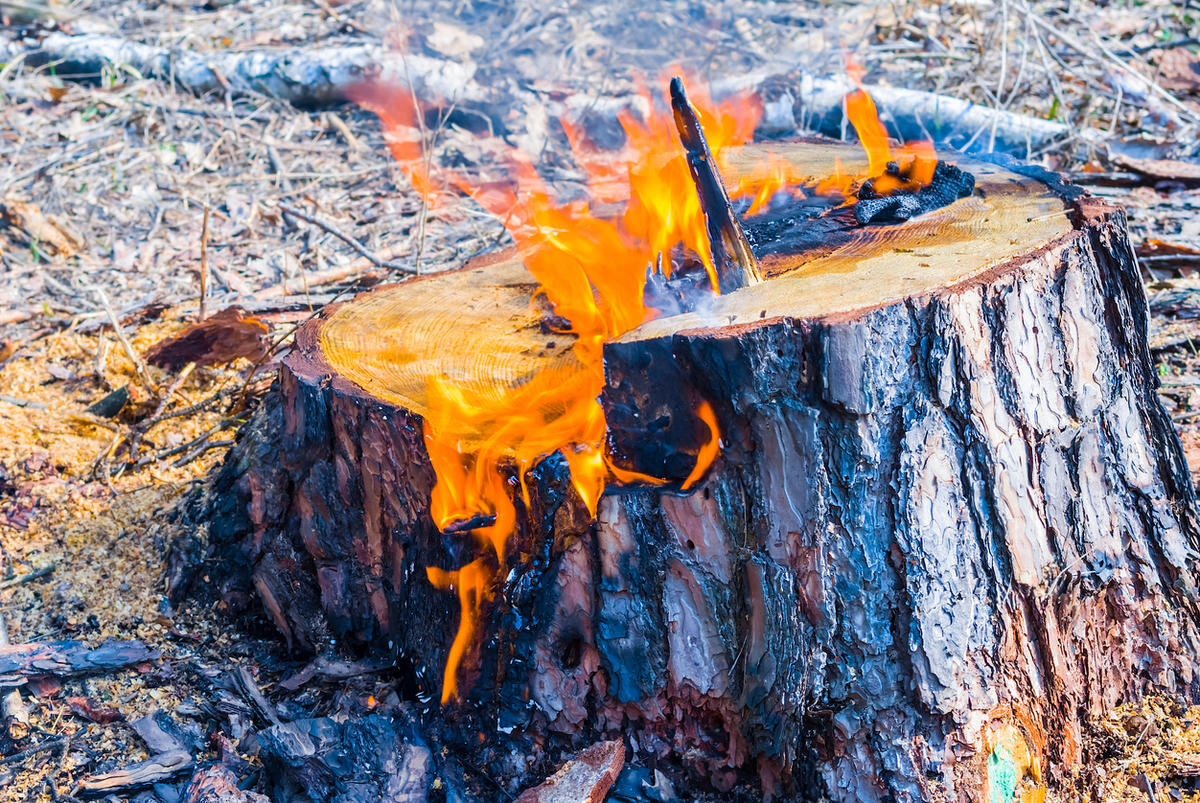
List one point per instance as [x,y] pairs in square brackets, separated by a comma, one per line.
[104,184]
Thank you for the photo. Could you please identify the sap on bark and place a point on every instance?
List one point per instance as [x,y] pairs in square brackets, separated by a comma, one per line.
[949,522]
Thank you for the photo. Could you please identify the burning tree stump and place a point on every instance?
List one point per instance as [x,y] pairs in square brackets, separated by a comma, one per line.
[949,521]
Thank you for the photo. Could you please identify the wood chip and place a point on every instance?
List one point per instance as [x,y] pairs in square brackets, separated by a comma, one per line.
[48,233]
[586,778]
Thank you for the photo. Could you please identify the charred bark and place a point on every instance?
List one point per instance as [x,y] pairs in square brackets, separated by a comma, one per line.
[938,524]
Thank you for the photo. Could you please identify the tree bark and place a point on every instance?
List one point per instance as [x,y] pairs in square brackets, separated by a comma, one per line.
[946,528]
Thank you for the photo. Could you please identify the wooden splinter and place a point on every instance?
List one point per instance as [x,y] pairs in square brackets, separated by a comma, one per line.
[723,228]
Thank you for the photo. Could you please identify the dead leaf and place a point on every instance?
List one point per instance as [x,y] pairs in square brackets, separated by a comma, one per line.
[57,93]
[219,339]
[1179,70]
[50,234]
[43,687]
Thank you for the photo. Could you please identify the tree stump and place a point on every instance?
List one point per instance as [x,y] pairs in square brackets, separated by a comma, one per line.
[949,523]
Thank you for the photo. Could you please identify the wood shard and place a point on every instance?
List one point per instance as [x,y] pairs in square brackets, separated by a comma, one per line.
[724,230]
[19,662]
[586,778]
[155,769]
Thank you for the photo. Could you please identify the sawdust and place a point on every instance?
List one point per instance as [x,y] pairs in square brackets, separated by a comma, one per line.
[101,547]
[1152,744]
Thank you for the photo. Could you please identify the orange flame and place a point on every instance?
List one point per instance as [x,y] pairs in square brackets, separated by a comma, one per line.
[472,583]
[915,160]
[591,268]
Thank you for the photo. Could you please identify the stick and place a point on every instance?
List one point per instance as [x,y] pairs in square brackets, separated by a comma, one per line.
[347,239]
[138,365]
[37,574]
[40,747]
[358,266]
[201,449]
[724,230]
[135,438]
[203,263]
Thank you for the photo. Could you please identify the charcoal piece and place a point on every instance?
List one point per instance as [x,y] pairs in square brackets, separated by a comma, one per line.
[19,662]
[111,404]
[162,734]
[373,758]
[949,183]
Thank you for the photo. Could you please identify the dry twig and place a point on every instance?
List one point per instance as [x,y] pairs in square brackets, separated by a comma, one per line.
[347,239]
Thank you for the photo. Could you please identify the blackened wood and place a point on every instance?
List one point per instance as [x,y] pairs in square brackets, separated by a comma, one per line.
[724,229]
[218,784]
[372,758]
[934,518]
[158,768]
[20,662]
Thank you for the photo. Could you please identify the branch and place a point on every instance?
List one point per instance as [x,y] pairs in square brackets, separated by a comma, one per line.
[347,239]
[308,77]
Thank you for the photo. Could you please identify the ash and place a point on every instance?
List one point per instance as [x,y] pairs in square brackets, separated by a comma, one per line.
[687,289]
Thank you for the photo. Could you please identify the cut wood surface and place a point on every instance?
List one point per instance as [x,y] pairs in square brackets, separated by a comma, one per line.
[950,522]
[476,326]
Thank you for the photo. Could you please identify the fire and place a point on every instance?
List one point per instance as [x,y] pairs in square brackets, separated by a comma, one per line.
[914,162]
[591,268]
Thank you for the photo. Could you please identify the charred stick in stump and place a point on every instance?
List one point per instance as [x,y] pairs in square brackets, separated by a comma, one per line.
[724,230]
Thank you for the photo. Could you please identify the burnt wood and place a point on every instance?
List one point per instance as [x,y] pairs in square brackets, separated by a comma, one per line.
[938,523]
[724,228]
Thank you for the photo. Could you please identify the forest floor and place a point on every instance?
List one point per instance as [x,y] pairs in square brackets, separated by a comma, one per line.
[117,193]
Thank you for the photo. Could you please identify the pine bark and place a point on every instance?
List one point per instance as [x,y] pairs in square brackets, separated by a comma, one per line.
[930,519]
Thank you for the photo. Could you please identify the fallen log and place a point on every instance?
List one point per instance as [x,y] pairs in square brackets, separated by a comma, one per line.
[810,102]
[306,77]
[949,525]
[316,77]
[914,114]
